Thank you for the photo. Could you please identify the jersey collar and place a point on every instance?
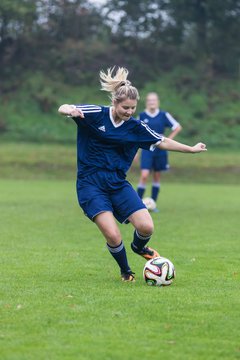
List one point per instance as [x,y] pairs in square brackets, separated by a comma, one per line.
[152,114]
[112,119]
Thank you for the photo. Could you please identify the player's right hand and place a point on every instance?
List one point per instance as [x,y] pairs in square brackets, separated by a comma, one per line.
[77,113]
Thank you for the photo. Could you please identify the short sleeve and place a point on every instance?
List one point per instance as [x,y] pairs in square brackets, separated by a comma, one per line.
[171,122]
[91,113]
[148,139]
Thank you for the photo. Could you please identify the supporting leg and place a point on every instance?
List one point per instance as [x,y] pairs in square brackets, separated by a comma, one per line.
[108,226]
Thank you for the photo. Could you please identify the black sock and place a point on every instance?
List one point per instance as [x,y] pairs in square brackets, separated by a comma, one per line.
[139,241]
[119,254]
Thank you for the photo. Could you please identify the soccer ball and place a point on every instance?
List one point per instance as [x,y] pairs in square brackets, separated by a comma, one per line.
[159,272]
[149,203]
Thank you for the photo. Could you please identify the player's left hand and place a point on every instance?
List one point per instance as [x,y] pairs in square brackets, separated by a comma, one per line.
[199,148]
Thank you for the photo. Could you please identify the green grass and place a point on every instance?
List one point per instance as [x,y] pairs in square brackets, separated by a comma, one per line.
[56,161]
[61,297]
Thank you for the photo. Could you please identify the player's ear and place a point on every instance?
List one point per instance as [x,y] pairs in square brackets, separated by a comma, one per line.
[115,103]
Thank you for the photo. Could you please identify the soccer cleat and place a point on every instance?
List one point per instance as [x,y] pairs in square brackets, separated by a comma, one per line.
[146,252]
[156,210]
[128,276]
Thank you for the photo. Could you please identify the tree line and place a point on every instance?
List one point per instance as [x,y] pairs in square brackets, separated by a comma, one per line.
[73,39]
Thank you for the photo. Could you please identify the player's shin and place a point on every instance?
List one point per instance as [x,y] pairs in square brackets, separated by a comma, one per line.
[139,241]
[155,190]
[141,190]
[120,256]
[139,246]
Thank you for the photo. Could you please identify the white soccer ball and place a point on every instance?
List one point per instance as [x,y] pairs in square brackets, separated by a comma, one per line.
[159,272]
[149,203]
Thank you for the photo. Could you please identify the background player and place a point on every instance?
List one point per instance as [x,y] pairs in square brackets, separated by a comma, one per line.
[156,160]
[108,140]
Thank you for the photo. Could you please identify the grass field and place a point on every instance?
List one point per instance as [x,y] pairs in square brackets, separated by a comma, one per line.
[55,161]
[61,297]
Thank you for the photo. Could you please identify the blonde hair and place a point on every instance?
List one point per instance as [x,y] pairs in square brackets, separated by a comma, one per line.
[152,94]
[119,86]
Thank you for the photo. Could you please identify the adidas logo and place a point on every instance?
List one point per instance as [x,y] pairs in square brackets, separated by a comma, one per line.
[102,128]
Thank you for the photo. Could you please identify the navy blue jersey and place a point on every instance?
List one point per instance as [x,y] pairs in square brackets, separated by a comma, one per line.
[158,121]
[104,145]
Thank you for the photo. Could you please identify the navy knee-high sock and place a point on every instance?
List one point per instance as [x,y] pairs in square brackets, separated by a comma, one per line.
[141,190]
[119,254]
[139,241]
[155,191]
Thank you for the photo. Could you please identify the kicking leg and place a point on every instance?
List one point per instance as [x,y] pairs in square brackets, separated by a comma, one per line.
[144,227]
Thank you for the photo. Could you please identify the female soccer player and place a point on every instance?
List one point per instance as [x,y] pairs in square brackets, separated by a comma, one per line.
[108,139]
[157,160]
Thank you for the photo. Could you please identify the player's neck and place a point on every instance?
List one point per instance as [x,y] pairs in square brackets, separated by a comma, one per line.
[116,118]
[152,111]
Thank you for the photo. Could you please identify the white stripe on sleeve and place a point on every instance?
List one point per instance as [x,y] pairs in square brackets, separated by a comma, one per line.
[153,146]
[87,109]
[152,132]
[158,137]
[174,122]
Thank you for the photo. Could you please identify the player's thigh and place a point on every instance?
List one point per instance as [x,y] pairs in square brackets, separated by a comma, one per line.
[92,199]
[108,226]
[125,201]
[142,221]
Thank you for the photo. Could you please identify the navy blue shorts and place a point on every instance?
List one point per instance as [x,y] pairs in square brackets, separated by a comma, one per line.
[156,160]
[106,191]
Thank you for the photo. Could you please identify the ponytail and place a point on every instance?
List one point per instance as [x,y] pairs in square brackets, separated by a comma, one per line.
[119,86]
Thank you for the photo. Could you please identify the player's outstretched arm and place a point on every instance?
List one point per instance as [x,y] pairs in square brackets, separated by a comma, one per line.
[70,110]
[172,145]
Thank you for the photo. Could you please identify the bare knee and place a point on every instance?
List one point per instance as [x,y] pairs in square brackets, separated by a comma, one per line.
[113,237]
[144,176]
[145,228]
[107,225]
[142,222]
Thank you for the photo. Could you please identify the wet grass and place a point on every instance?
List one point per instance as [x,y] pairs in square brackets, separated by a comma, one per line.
[61,296]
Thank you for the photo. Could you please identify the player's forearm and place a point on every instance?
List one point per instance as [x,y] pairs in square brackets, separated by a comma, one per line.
[172,145]
[175,132]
